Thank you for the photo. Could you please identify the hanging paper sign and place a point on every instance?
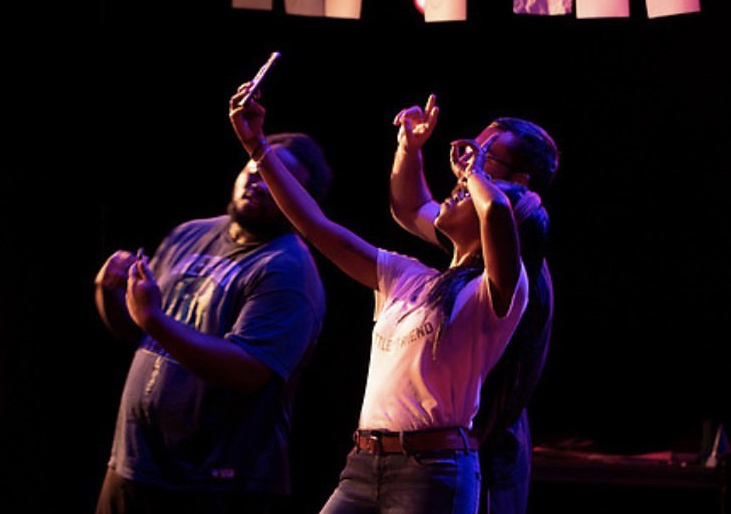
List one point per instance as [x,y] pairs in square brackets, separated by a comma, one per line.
[445,10]
[657,8]
[602,8]
[545,7]
[264,5]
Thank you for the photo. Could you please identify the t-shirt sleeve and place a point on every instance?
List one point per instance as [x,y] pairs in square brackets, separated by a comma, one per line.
[394,270]
[278,321]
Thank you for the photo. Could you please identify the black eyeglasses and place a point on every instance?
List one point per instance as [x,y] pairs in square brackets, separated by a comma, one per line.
[490,156]
[464,151]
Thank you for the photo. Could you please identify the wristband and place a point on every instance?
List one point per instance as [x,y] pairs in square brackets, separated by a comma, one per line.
[260,150]
[265,149]
[467,174]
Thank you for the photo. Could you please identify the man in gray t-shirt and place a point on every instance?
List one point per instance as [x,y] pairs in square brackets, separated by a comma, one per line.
[225,315]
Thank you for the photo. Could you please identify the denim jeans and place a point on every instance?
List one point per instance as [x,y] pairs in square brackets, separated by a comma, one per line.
[505,463]
[438,482]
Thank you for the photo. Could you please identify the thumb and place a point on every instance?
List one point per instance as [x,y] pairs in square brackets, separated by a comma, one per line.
[147,271]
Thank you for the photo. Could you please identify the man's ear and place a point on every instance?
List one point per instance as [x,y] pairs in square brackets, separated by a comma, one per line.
[520,178]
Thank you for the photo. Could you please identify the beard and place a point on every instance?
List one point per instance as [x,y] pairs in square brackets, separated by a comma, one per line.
[264,222]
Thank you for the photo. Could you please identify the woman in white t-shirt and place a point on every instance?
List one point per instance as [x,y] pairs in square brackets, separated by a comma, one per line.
[437,333]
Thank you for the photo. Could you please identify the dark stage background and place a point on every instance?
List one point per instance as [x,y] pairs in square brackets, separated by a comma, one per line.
[115,128]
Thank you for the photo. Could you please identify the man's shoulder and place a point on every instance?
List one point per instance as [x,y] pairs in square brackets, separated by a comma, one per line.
[290,249]
[195,228]
[203,223]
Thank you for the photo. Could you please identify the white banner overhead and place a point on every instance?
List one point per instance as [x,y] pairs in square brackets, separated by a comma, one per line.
[602,8]
[445,10]
[456,10]
[263,5]
[656,8]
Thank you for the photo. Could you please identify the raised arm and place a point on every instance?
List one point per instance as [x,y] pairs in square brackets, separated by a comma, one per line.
[499,241]
[345,249]
[412,205]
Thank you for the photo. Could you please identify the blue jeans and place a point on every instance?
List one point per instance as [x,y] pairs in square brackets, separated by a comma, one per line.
[505,461]
[438,482]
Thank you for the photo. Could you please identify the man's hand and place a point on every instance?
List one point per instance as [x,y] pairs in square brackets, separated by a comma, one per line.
[416,125]
[144,300]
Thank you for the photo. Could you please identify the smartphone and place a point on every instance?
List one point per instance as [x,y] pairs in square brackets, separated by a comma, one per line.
[259,77]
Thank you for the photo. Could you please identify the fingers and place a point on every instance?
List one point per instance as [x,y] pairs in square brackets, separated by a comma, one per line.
[122,256]
[430,103]
[488,142]
[411,113]
[147,271]
[119,262]
[432,112]
[407,126]
[465,153]
[416,114]
[243,102]
[240,93]
[137,275]
[235,100]
[133,273]
[113,273]
[465,144]
[242,97]
[139,269]
[243,86]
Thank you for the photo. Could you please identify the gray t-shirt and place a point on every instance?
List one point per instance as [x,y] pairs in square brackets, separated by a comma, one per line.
[178,431]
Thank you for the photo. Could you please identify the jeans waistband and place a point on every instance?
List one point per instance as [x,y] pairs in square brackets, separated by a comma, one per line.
[383,442]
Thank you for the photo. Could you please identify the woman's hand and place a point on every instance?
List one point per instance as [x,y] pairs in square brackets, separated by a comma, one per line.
[466,157]
[247,120]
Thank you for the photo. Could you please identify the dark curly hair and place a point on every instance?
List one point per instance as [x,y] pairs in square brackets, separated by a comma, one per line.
[308,153]
[537,154]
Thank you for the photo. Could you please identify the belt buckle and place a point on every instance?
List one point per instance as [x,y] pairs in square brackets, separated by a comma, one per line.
[375,445]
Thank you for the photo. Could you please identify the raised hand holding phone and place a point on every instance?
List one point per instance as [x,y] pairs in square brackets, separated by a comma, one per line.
[258,78]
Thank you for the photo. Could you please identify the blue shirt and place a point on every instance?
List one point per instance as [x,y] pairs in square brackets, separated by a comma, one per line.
[176,430]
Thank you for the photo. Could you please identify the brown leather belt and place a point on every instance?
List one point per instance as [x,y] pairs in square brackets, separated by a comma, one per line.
[381,442]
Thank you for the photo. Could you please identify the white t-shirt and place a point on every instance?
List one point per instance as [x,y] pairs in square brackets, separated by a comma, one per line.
[413,386]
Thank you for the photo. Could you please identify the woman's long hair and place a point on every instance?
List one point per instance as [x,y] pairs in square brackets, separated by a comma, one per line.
[444,292]
[532,223]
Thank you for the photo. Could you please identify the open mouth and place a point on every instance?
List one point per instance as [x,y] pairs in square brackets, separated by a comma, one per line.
[251,197]
[458,195]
